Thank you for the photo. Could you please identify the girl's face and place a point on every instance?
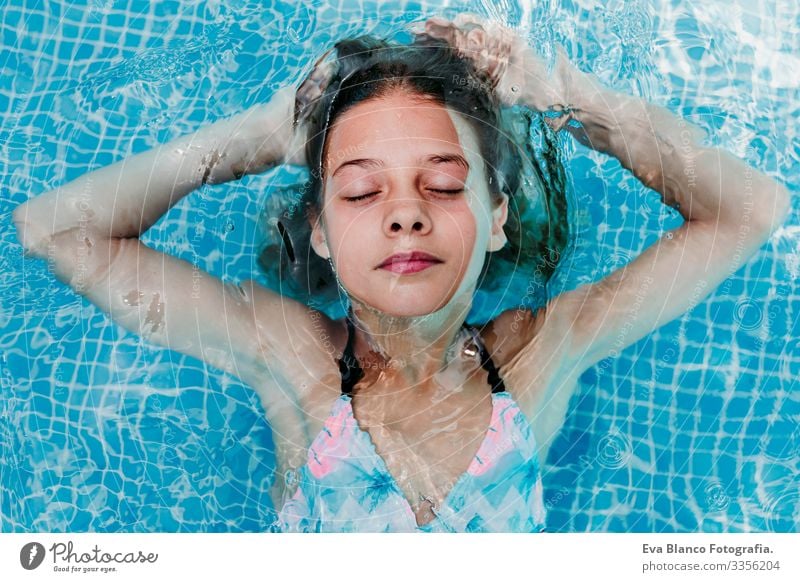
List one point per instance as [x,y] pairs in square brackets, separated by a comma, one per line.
[403,174]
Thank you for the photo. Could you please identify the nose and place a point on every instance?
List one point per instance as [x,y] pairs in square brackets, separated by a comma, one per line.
[406,214]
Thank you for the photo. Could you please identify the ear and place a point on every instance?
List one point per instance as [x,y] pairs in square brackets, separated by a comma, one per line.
[318,241]
[499,216]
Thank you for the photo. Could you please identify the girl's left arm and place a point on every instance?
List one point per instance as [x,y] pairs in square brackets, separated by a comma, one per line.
[729,208]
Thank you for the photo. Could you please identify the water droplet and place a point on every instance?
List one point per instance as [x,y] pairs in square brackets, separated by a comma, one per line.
[669,235]
[613,451]
[514,88]
[229,226]
[470,350]
[133,298]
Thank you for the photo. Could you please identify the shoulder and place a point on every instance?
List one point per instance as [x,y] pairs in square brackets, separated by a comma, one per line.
[296,343]
[511,331]
[293,329]
[552,325]
[535,348]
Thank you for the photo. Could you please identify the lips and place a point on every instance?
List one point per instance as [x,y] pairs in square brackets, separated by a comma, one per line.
[409,262]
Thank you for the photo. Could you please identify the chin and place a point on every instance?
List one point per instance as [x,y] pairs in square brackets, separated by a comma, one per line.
[413,297]
[402,308]
[407,303]
[405,311]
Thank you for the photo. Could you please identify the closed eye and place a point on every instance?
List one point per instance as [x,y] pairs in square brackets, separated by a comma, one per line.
[458,191]
[362,197]
[369,194]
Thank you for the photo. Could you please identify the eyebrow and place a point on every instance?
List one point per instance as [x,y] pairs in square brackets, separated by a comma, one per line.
[447,158]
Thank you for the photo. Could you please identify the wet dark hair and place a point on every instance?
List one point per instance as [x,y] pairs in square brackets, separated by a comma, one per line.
[520,152]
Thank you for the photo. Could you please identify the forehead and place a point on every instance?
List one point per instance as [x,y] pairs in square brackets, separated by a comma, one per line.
[399,125]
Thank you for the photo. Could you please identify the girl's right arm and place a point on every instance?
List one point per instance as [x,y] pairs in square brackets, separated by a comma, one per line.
[88,231]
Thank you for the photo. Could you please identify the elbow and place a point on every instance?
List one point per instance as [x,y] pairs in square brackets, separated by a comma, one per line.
[17,217]
[773,210]
[33,238]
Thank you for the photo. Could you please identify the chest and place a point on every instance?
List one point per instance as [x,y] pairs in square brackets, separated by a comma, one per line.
[427,449]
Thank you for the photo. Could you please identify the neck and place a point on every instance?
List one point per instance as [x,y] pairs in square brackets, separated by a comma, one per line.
[416,348]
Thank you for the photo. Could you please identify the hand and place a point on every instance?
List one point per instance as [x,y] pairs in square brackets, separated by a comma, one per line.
[296,106]
[275,133]
[269,135]
[517,72]
[258,139]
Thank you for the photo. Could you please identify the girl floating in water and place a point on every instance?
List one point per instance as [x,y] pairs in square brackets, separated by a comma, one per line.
[400,416]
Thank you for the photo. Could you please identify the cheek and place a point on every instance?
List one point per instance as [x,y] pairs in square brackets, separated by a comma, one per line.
[471,221]
[457,231]
[471,231]
[347,235]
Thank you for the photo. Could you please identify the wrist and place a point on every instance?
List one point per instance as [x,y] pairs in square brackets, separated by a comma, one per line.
[544,90]
[250,142]
[566,89]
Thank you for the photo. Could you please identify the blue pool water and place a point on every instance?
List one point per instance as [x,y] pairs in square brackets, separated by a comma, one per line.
[694,428]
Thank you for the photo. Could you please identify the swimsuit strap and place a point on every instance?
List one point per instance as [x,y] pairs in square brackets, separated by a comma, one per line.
[351,370]
[495,381]
[349,367]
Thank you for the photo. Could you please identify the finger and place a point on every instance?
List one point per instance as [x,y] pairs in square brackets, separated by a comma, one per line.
[476,39]
[438,21]
[468,21]
[315,84]
[322,75]
[417,27]
[468,18]
[439,28]
[497,59]
[321,60]
[558,123]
